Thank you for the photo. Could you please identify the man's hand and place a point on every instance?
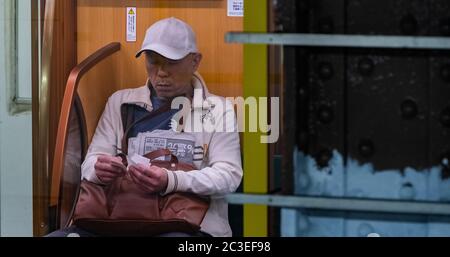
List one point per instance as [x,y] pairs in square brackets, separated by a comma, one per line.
[150,179]
[108,168]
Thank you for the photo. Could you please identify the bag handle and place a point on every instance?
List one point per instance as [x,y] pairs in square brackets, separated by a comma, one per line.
[160,153]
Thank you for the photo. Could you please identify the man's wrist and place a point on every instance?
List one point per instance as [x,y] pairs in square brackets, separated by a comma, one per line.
[171,183]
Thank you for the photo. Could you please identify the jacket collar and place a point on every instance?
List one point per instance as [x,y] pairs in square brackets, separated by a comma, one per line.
[141,96]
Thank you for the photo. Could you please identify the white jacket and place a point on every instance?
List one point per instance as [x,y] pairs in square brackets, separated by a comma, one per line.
[219,171]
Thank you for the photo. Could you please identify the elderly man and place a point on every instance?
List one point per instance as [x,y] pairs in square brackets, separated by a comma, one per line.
[172,59]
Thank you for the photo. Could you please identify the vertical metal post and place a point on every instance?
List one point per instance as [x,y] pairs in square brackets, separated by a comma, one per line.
[255,85]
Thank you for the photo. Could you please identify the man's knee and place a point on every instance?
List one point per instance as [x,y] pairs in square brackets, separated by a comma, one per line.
[70,232]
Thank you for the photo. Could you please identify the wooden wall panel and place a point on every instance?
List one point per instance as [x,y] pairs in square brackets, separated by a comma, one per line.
[94,90]
[102,22]
[63,59]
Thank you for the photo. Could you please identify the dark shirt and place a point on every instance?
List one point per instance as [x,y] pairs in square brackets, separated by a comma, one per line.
[161,121]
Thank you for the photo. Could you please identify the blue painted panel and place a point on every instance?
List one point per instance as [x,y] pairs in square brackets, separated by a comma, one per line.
[362,181]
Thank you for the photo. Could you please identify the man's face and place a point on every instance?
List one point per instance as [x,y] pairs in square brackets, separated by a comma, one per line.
[171,78]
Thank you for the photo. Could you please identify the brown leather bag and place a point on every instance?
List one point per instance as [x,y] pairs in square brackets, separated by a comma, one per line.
[122,208]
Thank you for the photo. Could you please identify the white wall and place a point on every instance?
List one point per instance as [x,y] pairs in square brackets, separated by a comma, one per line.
[15,143]
[24,48]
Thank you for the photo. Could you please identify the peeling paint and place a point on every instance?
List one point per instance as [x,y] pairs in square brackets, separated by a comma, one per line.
[363,181]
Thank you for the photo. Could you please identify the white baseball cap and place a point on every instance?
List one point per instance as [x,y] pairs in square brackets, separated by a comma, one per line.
[171,38]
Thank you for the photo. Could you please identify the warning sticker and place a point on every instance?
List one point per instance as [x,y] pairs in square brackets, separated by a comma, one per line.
[235,8]
[131,24]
